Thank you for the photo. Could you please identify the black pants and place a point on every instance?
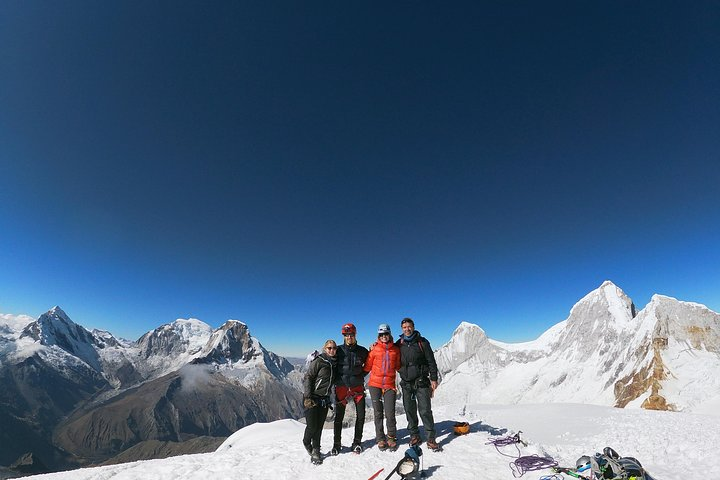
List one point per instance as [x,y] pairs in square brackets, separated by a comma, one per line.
[417,399]
[314,420]
[359,421]
[383,408]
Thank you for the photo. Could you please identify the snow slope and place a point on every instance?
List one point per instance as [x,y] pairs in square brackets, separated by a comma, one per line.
[671,445]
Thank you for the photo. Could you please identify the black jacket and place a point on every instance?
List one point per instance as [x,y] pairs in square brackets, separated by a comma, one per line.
[350,361]
[318,380]
[416,359]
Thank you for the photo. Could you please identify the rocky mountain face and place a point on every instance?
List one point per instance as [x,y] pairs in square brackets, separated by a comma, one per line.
[663,357]
[71,396]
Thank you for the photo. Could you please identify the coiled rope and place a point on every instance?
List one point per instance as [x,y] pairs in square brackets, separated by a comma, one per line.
[522,464]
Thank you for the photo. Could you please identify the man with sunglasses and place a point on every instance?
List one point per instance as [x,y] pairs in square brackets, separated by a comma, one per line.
[349,386]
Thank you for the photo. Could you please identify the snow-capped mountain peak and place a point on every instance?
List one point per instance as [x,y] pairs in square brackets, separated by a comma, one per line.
[466,341]
[55,329]
[172,345]
[609,301]
[231,343]
[181,337]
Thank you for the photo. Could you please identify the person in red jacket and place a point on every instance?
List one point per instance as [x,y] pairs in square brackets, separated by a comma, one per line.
[382,363]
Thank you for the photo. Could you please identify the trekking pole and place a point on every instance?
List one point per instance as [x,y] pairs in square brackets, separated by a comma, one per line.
[376,474]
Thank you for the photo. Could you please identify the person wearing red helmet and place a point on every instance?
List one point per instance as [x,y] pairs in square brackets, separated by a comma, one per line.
[349,385]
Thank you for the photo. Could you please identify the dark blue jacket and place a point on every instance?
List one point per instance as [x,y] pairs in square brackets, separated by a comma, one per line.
[350,361]
[416,358]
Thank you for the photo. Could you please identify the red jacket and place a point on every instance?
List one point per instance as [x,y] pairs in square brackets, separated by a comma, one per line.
[382,363]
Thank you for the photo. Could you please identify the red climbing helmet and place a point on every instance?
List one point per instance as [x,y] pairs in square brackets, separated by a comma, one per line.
[349,329]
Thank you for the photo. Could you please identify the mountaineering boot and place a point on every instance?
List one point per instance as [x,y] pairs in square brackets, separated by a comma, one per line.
[392,443]
[415,440]
[308,448]
[335,450]
[315,457]
[356,447]
[382,445]
[433,445]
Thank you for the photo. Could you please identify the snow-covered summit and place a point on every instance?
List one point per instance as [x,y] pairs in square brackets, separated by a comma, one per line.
[238,355]
[604,353]
[55,329]
[172,345]
[605,307]
[232,343]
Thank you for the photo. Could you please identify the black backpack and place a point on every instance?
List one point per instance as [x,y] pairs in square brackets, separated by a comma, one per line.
[611,466]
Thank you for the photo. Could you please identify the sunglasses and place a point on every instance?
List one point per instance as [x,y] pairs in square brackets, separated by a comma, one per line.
[330,348]
[383,334]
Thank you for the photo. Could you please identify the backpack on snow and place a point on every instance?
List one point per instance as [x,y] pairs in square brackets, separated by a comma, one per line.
[610,466]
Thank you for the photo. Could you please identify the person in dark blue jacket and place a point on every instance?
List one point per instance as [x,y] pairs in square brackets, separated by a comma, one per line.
[349,386]
[418,380]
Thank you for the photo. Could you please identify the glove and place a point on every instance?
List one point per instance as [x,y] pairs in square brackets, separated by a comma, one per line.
[309,403]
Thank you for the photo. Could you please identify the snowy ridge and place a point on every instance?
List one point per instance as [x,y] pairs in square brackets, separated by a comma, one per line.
[59,341]
[239,356]
[663,357]
[170,346]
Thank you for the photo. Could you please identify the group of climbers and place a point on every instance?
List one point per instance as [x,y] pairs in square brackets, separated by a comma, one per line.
[336,377]
[345,367]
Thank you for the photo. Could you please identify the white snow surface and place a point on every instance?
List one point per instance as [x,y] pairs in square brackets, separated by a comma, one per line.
[670,445]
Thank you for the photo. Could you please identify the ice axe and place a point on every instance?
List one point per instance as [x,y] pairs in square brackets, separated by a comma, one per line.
[409,464]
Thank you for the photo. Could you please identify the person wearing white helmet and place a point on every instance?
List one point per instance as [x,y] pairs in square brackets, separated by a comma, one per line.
[382,363]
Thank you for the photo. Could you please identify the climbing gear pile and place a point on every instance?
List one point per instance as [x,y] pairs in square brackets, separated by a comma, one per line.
[606,466]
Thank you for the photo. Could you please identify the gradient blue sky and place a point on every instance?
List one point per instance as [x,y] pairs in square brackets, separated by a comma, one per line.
[298,165]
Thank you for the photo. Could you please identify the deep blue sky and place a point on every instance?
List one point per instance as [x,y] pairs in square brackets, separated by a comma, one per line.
[298,165]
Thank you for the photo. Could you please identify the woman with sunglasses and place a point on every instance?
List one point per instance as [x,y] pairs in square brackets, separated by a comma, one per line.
[317,385]
[382,363]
